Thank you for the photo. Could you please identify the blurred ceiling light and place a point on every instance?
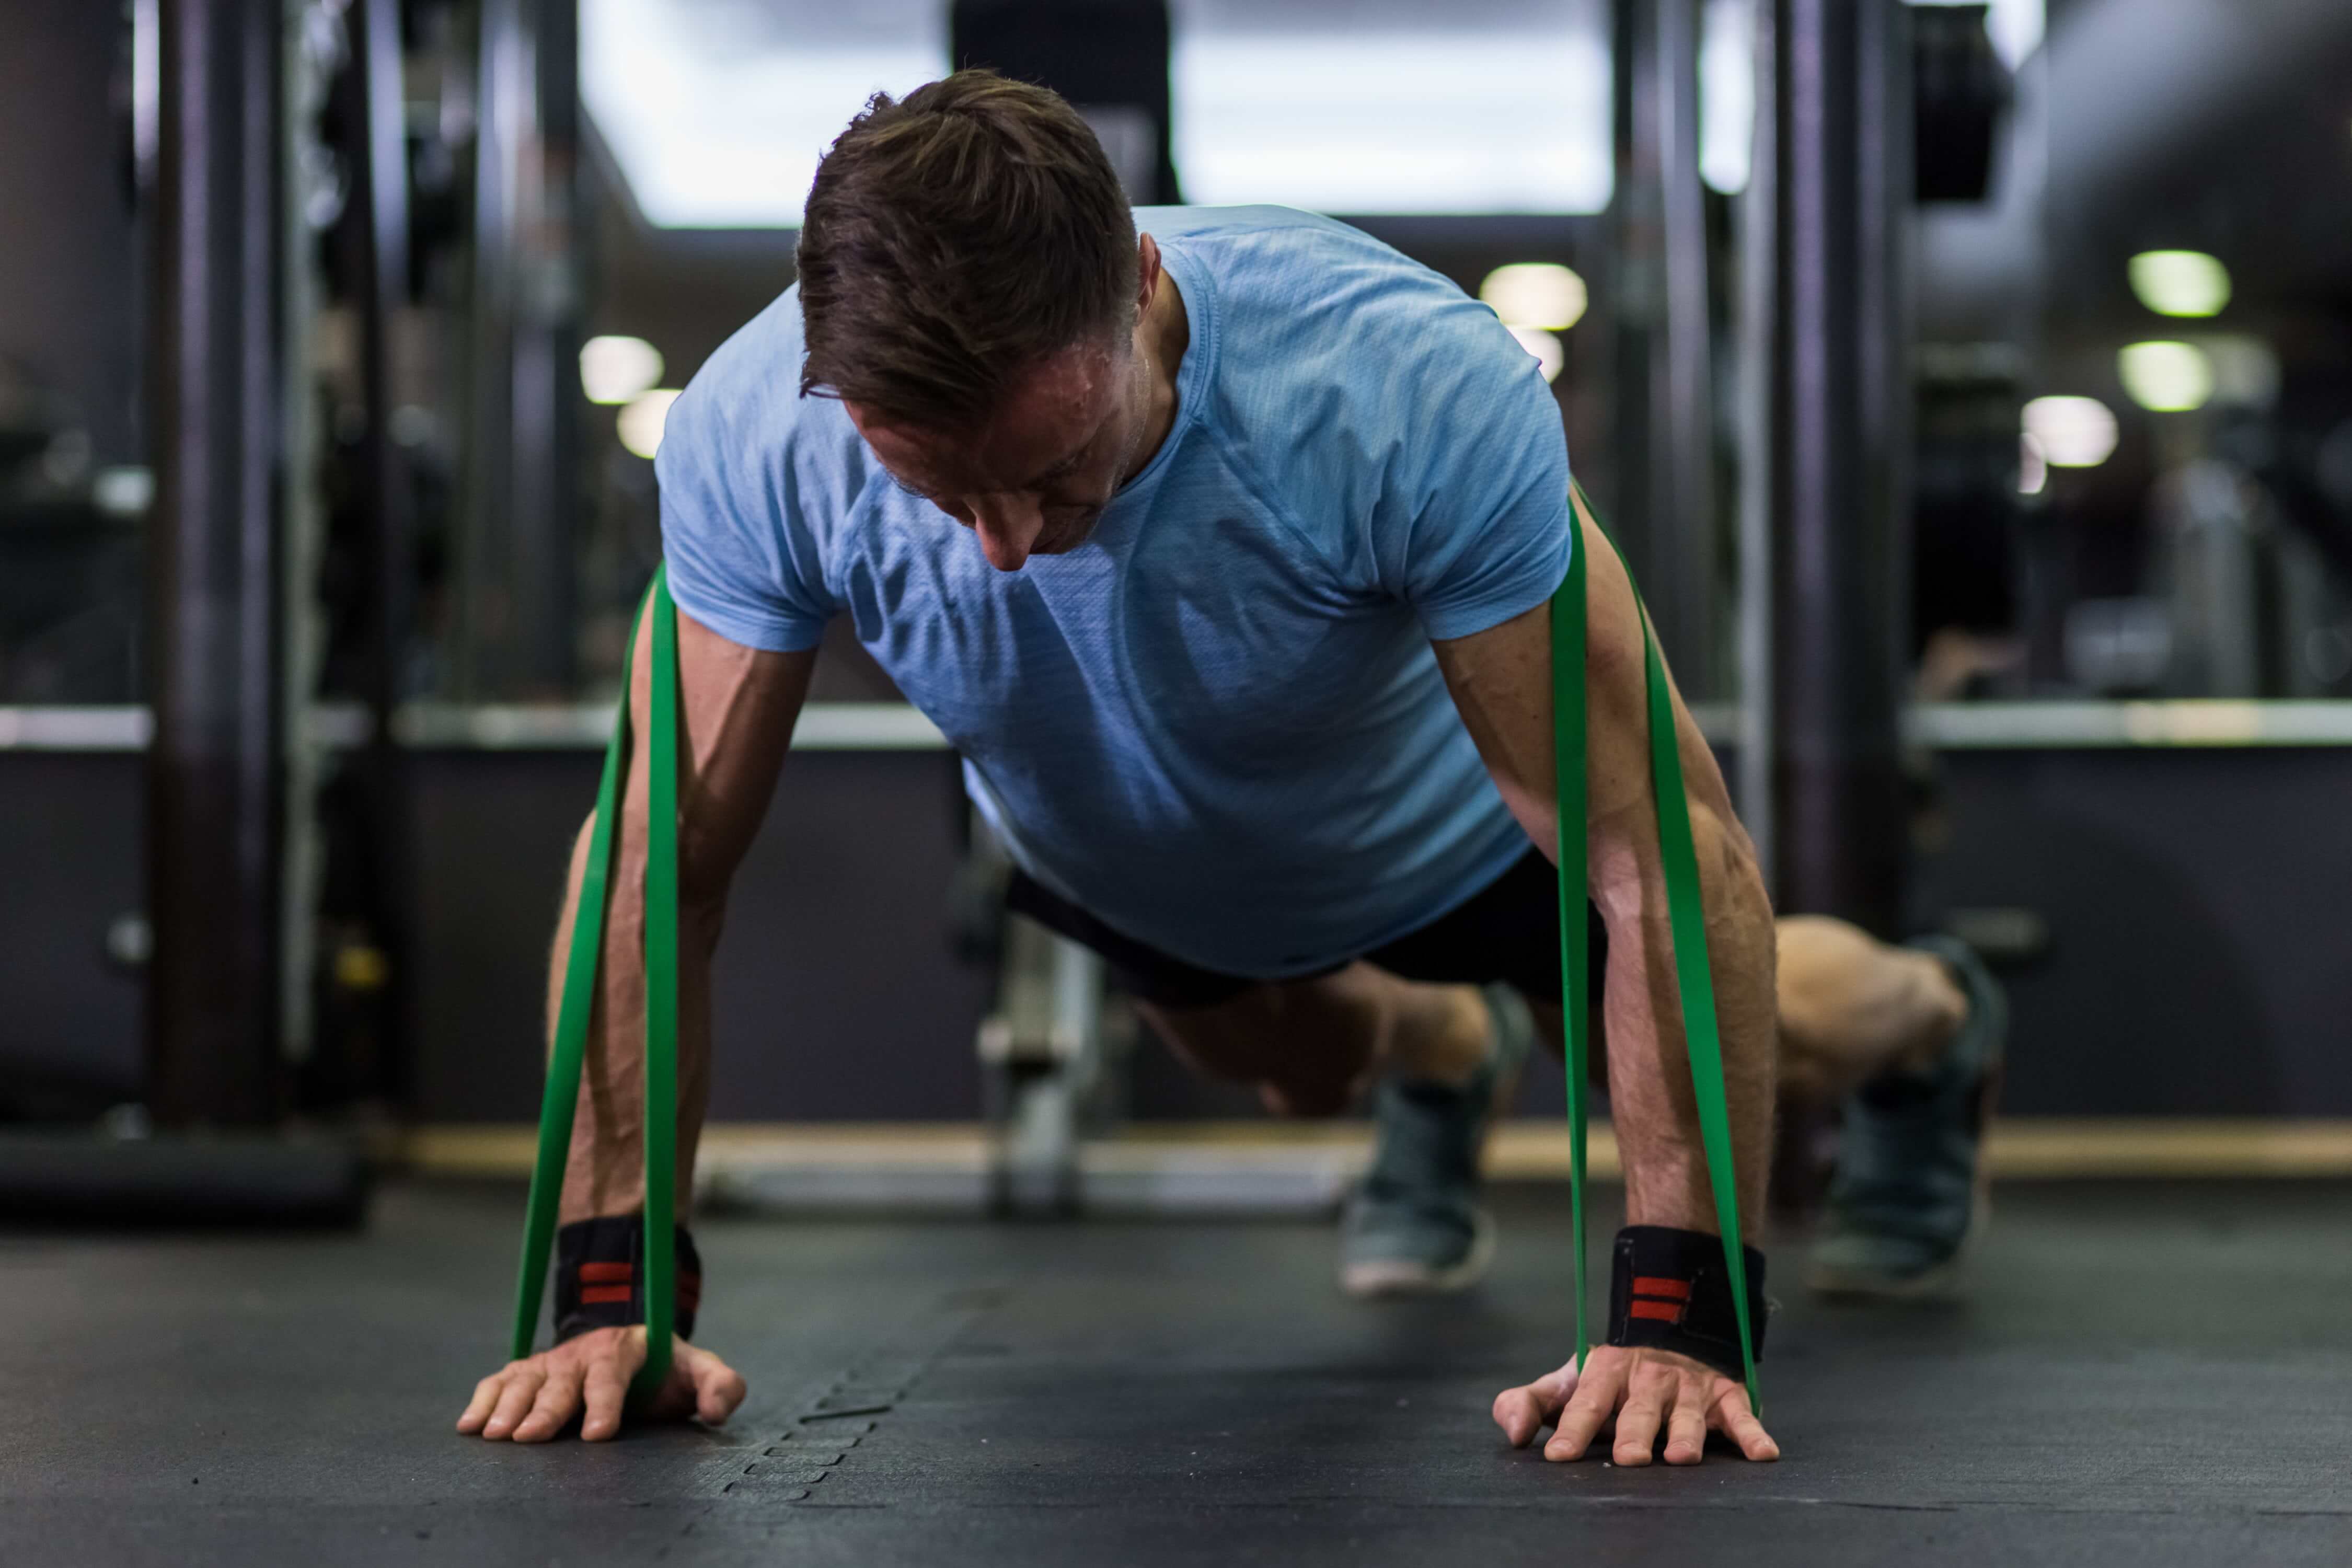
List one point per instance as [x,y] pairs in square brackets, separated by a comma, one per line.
[1535,294]
[641,421]
[2071,431]
[1280,103]
[2016,27]
[2181,282]
[2033,468]
[717,113]
[123,491]
[614,370]
[1549,356]
[2166,378]
[1726,94]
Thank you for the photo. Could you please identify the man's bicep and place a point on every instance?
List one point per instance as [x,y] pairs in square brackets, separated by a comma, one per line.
[738,706]
[1501,682]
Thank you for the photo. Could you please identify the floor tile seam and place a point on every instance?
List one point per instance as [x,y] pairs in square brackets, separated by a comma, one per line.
[911,1352]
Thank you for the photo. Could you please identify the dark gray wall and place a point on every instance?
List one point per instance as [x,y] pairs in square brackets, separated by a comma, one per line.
[2199,905]
[2201,910]
[837,998]
[72,859]
[68,294]
[2200,961]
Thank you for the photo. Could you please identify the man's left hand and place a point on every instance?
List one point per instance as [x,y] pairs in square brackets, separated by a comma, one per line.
[1645,1391]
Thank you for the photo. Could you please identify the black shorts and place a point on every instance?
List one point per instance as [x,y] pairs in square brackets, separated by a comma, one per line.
[1507,932]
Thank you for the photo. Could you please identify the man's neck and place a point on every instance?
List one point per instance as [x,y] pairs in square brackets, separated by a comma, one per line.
[1160,339]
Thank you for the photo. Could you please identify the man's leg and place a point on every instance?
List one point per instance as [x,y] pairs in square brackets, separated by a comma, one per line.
[1312,1046]
[1438,1058]
[1910,1038]
[1853,1007]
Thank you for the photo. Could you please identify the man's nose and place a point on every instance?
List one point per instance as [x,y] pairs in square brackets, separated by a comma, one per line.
[1008,526]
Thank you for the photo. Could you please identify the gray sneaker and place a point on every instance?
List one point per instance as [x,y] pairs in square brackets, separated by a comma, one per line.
[1416,1227]
[1909,1192]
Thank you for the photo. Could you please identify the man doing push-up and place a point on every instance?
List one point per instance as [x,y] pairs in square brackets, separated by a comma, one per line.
[1221,544]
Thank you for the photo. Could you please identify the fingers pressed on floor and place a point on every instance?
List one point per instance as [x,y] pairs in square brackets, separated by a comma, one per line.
[558,1402]
[1687,1425]
[718,1389]
[1553,1390]
[1637,1431]
[1587,1411]
[1524,1411]
[1753,1440]
[606,1393]
[1518,1411]
[522,1384]
[485,1400]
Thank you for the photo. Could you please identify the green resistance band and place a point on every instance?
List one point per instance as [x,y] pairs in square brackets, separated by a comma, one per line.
[1685,913]
[578,1005]
[1687,917]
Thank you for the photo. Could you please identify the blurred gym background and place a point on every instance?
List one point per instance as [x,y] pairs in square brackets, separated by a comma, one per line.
[1970,384]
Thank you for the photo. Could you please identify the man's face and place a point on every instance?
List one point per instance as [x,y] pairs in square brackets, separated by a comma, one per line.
[1033,480]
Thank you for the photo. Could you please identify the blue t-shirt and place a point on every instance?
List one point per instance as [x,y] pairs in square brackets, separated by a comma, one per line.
[1217,724]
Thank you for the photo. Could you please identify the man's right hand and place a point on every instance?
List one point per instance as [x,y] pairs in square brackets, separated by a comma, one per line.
[1641,1391]
[531,1401]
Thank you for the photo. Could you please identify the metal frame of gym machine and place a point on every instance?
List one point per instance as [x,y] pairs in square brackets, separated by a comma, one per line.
[217,763]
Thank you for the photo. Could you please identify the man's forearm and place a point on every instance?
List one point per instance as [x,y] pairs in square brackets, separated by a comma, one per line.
[738,707]
[1501,680]
[1650,1092]
[606,1171]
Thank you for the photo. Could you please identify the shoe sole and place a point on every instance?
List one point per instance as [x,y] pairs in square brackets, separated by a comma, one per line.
[1942,1282]
[1376,1277]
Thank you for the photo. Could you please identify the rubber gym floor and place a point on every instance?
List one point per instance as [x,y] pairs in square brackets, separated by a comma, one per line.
[2142,1374]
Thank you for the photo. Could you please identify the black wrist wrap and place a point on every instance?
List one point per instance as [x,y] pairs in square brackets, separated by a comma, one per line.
[1671,1290]
[600,1270]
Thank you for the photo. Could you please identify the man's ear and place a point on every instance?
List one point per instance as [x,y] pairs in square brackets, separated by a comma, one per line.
[1147,273]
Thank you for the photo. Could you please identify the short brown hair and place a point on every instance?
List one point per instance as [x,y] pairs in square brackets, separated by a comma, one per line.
[952,240]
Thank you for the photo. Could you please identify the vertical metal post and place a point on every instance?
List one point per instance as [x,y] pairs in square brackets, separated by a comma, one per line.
[1684,596]
[381,278]
[1663,445]
[1633,274]
[214,779]
[1041,1048]
[515,566]
[309,51]
[387,511]
[1833,172]
[1759,218]
[1887,203]
[483,549]
[546,371]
